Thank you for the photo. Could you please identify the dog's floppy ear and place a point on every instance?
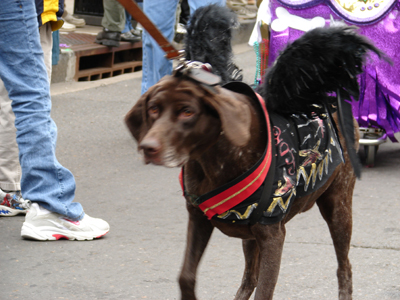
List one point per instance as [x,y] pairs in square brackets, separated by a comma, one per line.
[235,115]
[135,118]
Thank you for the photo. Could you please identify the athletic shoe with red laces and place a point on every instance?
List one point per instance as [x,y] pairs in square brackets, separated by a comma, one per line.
[12,203]
[42,224]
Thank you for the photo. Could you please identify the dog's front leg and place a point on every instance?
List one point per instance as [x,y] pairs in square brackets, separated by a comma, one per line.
[198,235]
[251,270]
[270,239]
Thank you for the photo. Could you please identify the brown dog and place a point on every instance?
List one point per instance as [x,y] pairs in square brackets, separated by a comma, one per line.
[218,134]
[217,137]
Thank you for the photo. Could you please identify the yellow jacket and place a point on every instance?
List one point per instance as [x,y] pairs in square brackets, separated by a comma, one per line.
[50,11]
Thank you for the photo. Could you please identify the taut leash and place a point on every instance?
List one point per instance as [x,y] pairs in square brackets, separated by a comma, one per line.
[197,71]
[134,10]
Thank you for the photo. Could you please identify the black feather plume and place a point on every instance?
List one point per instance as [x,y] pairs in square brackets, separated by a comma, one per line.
[322,63]
[208,40]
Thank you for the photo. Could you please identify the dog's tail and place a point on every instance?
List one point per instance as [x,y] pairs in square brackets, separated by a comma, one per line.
[322,63]
[208,40]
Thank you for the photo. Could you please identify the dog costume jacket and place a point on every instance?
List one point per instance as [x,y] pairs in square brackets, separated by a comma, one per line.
[307,151]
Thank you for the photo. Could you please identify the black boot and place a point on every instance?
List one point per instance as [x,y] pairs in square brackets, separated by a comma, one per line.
[108,38]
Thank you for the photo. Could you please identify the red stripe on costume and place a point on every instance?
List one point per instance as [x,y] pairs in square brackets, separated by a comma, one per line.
[242,190]
[181,181]
[237,193]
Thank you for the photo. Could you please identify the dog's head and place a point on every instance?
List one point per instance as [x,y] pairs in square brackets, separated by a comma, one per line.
[178,119]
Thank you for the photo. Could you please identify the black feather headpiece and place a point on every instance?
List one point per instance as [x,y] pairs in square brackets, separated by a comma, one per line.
[208,39]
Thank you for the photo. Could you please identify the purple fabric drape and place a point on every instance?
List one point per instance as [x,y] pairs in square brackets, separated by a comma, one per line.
[379,103]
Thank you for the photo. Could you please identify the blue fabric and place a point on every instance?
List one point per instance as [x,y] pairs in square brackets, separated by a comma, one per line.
[163,14]
[44,179]
[128,23]
[55,51]
[128,19]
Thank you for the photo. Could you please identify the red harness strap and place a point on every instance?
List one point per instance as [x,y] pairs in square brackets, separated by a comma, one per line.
[235,194]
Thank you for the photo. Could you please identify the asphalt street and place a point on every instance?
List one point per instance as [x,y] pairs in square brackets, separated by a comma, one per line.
[141,256]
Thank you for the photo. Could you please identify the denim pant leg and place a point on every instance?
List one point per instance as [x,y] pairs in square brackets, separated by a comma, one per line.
[128,23]
[154,64]
[162,14]
[23,72]
[195,4]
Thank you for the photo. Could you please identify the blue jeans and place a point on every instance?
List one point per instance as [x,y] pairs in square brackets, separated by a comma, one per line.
[163,14]
[128,24]
[24,74]
[128,19]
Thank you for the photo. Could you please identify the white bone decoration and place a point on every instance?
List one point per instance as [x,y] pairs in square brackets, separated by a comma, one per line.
[285,20]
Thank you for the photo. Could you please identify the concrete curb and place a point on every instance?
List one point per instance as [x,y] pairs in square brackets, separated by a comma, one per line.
[64,71]
[67,65]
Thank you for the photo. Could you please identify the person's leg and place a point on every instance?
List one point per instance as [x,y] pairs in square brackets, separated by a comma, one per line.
[128,33]
[113,23]
[46,41]
[155,65]
[128,23]
[11,201]
[162,14]
[67,17]
[55,50]
[43,180]
[10,170]
[114,16]
[185,12]
[195,4]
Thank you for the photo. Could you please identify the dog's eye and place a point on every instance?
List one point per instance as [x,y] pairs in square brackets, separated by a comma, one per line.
[186,113]
[153,110]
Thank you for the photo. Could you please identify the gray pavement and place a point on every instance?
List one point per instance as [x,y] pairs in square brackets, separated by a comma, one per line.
[141,256]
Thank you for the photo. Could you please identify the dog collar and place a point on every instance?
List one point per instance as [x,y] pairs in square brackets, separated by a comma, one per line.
[232,193]
[199,72]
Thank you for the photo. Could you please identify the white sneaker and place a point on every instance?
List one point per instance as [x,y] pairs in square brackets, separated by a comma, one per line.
[12,204]
[72,20]
[42,224]
[68,27]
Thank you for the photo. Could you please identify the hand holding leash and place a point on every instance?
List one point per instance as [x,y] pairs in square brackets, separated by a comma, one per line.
[134,10]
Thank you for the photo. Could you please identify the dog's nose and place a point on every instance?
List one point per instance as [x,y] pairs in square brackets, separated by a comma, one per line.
[151,146]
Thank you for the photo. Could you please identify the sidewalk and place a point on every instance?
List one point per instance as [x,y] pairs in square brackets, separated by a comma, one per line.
[74,86]
[81,59]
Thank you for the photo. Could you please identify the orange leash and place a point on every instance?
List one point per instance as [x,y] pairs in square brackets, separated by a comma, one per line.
[134,10]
